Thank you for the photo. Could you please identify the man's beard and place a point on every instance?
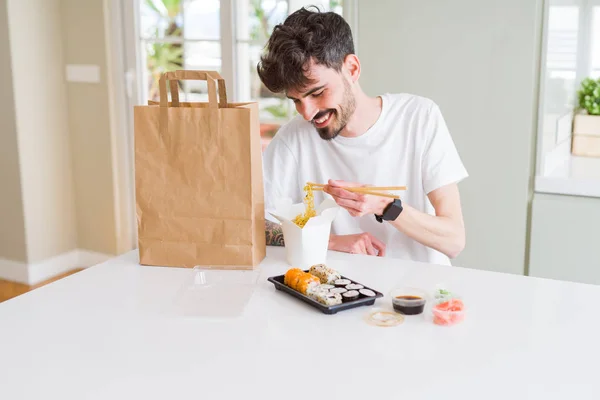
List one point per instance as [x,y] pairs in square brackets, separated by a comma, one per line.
[338,121]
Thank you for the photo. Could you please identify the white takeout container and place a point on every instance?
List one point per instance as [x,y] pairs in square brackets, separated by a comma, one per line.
[306,246]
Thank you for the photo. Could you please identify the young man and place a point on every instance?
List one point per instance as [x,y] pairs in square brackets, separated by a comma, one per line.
[343,137]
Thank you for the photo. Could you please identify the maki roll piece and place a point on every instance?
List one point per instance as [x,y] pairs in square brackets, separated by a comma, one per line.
[354,286]
[342,282]
[306,283]
[327,286]
[325,274]
[367,292]
[299,280]
[339,290]
[350,295]
[291,275]
[328,298]
[313,291]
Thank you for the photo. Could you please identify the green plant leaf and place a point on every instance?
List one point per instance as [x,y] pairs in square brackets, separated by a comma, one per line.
[173,7]
[165,8]
[588,96]
[278,111]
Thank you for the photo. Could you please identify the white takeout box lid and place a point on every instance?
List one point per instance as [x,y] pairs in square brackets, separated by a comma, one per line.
[306,246]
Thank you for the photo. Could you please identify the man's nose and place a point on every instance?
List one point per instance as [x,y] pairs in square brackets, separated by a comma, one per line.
[308,111]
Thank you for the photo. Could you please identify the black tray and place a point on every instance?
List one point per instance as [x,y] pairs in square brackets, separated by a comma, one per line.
[361,301]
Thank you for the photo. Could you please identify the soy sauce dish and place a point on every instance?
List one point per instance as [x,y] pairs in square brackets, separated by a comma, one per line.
[408,301]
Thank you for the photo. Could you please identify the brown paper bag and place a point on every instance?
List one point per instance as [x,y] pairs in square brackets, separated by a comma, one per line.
[198,179]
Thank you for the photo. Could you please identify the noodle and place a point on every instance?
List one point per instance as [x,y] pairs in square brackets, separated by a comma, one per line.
[309,200]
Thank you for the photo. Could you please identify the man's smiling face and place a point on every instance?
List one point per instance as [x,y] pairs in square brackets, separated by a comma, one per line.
[328,101]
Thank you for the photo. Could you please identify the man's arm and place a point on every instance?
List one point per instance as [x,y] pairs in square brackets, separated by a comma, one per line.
[444,232]
[274,234]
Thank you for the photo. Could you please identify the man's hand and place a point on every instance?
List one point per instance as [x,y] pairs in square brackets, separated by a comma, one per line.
[357,204]
[360,243]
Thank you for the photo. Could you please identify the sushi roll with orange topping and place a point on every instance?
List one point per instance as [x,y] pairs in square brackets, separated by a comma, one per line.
[291,277]
[300,281]
[306,283]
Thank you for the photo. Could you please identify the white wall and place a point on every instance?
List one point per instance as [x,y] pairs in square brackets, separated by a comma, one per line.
[83,40]
[478,59]
[12,225]
[58,176]
[42,127]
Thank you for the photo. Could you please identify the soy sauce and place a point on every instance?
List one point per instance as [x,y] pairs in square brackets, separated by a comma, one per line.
[409,304]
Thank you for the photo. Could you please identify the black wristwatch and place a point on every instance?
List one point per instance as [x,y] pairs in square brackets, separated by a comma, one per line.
[391,212]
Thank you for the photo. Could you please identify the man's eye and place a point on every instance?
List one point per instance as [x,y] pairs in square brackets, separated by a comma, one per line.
[318,94]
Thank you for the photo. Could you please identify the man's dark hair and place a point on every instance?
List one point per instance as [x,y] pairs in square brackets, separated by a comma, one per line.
[324,37]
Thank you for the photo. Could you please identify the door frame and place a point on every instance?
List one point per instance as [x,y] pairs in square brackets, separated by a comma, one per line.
[121,89]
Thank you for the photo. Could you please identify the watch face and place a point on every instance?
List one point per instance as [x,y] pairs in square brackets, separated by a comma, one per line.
[393,210]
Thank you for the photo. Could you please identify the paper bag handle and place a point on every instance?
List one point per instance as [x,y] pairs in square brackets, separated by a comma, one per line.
[211,78]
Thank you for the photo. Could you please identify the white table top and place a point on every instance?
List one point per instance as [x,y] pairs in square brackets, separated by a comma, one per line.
[118,331]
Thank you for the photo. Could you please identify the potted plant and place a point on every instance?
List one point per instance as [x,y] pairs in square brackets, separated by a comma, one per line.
[586,124]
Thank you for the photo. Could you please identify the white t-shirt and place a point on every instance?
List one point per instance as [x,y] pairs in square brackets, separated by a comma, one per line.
[409,145]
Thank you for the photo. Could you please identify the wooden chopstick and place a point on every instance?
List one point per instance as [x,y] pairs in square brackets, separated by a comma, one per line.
[371,188]
[353,189]
[360,188]
[315,184]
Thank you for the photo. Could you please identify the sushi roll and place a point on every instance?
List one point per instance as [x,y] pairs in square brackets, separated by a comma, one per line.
[327,286]
[306,284]
[290,275]
[350,295]
[300,281]
[339,290]
[367,292]
[328,298]
[354,286]
[342,282]
[314,290]
[325,274]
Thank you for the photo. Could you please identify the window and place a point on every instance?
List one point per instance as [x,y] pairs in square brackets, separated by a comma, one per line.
[563,27]
[595,43]
[561,59]
[179,34]
[223,35]
[571,52]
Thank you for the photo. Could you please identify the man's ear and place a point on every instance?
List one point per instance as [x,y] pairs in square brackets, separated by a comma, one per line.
[352,66]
